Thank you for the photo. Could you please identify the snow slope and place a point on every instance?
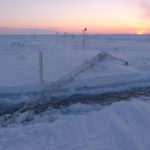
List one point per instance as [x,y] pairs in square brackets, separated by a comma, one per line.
[120,126]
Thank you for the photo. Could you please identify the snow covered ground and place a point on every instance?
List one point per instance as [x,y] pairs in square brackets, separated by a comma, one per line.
[19,63]
[120,126]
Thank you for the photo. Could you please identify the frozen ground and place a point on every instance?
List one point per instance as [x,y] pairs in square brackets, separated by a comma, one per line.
[120,126]
[19,68]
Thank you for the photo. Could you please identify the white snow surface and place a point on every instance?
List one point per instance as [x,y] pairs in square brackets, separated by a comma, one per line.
[19,63]
[120,126]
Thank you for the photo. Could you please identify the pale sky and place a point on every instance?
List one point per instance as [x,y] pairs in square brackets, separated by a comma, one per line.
[99,16]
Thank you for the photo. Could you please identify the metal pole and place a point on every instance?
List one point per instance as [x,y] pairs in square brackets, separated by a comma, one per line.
[84,30]
[41,67]
[83,38]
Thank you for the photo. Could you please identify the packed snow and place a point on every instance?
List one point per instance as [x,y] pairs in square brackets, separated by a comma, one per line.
[120,126]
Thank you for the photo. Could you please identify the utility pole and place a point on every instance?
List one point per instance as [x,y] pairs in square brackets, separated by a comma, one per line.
[41,67]
[65,36]
[84,30]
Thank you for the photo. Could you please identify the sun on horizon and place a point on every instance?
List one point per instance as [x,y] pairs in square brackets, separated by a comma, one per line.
[140,32]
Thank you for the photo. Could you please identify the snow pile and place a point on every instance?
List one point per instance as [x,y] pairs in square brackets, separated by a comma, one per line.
[123,125]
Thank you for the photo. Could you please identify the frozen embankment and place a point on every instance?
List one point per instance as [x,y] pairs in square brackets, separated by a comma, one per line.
[122,125]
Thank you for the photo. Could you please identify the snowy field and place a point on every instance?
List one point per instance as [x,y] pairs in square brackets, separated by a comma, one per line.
[19,63]
[121,126]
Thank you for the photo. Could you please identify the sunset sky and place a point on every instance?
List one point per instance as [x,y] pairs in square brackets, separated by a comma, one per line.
[99,16]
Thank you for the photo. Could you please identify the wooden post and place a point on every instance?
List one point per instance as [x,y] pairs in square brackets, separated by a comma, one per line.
[41,67]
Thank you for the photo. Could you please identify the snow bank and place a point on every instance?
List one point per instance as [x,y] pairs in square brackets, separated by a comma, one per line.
[122,126]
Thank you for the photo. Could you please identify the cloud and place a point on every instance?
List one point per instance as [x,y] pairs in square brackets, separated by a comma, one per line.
[145,6]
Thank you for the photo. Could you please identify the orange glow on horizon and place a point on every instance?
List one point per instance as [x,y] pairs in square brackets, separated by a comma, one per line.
[50,16]
[105,30]
[140,32]
[92,29]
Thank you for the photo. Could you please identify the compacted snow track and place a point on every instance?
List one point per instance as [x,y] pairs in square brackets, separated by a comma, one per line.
[46,99]
[103,99]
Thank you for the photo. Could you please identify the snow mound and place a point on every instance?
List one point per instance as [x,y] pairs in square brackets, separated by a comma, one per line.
[123,125]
